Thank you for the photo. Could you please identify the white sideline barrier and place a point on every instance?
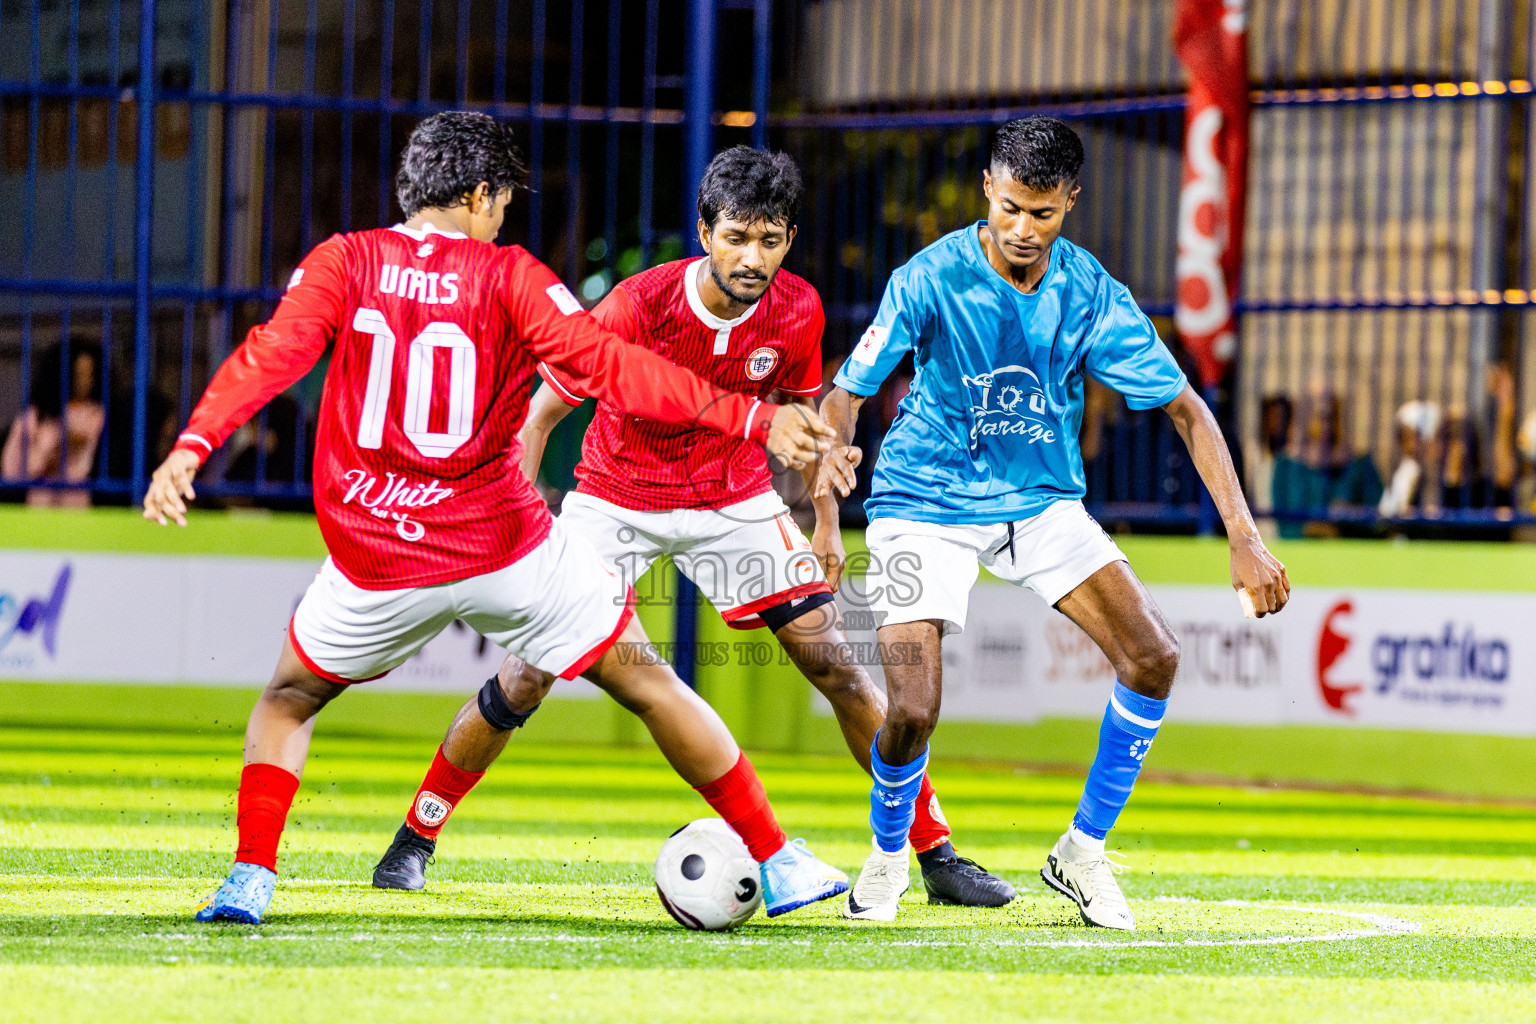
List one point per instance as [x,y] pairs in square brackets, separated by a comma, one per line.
[1404,659]
[181,619]
[1439,661]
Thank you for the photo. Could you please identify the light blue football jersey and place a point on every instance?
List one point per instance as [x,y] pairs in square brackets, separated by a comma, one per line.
[988,432]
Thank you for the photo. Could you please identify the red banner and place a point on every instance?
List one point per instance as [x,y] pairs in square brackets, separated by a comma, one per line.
[1211,38]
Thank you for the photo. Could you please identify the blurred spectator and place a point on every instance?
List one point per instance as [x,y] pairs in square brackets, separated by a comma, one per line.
[270,442]
[1506,461]
[1319,472]
[1418,432]
[55,438]
[1275,416]
[1462,482]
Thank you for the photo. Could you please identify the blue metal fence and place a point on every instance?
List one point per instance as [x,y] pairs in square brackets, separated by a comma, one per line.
[1387,263]
[237,135]
[170,161]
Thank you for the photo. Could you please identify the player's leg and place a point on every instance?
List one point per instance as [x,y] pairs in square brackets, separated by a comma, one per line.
[812,637]
[340,634]
[918,587]
[1064,556]
[562,612]
[626,542]
[276,746]
[475,738]
[700,748]
[1113,608]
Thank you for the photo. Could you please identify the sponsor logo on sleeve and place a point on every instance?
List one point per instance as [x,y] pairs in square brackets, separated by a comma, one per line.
[295,278]
[869,346]
[563,299]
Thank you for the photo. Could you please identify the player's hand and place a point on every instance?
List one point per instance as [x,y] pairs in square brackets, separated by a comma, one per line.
[797,437]
[171,488]
[827,544]
[837,471]
[1260,573]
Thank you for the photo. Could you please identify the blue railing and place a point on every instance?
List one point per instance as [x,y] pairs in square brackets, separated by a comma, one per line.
[170,169]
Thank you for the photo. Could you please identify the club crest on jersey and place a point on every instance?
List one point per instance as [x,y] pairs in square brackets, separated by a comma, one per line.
[761,362]
[1008,403]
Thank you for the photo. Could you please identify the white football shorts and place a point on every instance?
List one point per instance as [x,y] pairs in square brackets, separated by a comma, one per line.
[921,571]
[743,557]
[559,608]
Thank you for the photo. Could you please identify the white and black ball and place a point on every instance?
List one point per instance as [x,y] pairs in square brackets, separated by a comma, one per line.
[706,877]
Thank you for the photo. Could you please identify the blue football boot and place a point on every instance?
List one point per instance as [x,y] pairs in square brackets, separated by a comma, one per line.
[793,877]
[243,897]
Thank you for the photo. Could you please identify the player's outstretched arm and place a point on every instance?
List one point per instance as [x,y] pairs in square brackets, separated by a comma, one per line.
[840,410]
[827,538]
[171,488]
[272,357]
[640,382]
[834,480]
[545,411]
[1253,568]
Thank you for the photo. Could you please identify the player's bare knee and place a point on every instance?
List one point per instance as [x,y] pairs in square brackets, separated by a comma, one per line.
[300,697]
[522,686]
[1153,668]
[910,725]
[842,685]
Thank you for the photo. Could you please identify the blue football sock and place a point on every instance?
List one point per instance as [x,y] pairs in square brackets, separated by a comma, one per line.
[1130,723]
[893,798]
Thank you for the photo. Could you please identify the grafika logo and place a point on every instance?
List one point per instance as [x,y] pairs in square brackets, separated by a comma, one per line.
[39,615]
[1331,645]
[1009,403]
[1452,665]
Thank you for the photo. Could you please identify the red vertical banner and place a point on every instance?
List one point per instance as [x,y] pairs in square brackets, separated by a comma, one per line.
[1211,38]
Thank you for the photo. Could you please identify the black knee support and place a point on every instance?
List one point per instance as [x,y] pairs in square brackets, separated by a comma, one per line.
[495,709]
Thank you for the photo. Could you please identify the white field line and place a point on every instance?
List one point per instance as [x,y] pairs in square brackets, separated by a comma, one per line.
[1381,925]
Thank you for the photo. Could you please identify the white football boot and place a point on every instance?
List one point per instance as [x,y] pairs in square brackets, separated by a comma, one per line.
[874,897]
[1087,878]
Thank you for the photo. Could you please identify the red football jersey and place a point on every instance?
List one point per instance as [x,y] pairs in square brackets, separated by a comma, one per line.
[437,339]
[649,466]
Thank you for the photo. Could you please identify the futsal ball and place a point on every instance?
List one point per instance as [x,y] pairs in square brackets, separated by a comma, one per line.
[706,878]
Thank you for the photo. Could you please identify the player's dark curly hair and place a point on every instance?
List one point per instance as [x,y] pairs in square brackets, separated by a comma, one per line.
[1038,152]
[449,154]
[749,185]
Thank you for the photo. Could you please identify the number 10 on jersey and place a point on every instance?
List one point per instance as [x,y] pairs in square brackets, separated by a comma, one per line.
[418,385]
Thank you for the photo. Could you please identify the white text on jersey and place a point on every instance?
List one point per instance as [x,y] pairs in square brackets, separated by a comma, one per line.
[419,286]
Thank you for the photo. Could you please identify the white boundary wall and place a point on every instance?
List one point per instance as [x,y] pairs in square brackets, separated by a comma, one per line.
[1440,661]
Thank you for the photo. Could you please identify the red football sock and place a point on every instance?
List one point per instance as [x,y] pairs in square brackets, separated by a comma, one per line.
[439,794]
[738,797]
[929,828]
[266,793]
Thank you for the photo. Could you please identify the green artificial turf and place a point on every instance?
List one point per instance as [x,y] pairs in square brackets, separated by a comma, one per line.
[1254,903]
